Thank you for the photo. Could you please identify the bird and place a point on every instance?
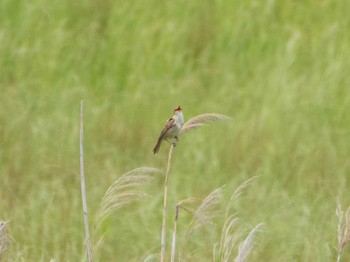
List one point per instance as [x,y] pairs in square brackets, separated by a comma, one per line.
[171,129]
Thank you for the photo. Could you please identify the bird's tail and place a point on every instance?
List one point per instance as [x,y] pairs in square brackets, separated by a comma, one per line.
[157,146]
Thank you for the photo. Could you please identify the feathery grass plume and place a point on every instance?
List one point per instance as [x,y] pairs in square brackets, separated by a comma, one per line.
[246,246]
[228,239]
[4,238]
[230,235]
[239,190]
[152,257]
[124,190]
[343,230]
[96,246]
[202,216]
[206,212]
[199,121]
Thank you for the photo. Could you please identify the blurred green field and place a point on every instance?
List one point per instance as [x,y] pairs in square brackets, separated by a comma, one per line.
[280,69]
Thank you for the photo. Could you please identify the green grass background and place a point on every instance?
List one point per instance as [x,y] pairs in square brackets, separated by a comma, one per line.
[280,69]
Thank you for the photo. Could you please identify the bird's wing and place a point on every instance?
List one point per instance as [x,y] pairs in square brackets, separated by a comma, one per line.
[169,124]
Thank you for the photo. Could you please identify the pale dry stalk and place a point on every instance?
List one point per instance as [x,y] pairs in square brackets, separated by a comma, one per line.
[163,238]
[173,243]
[82,184]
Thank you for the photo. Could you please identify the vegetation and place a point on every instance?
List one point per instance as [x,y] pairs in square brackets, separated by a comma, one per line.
[278,68]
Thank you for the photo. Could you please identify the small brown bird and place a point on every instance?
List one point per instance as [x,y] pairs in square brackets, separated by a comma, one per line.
[171,129]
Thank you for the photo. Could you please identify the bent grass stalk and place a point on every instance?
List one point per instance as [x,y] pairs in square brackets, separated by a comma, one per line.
[177,210]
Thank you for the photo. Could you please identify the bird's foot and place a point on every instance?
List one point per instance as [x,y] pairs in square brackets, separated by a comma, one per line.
[173,144]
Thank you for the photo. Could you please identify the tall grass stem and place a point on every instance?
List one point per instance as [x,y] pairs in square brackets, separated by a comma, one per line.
[173,243]
[163,239]
[82,184]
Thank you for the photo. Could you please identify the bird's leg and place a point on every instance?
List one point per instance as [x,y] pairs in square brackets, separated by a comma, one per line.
[177,140]
[172,143]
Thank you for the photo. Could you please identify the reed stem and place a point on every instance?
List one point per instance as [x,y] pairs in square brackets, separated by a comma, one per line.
[83,193]
[162,250]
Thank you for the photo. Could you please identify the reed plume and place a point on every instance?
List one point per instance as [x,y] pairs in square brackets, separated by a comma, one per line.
[124,190]
[343,230]
[246,246]
[4,238]
[200,120]
[230,242]
[206,212]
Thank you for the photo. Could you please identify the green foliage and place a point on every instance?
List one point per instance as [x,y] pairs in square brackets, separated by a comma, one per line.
[278,68]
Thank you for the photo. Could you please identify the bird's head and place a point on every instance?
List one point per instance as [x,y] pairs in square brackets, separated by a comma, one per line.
[178,109]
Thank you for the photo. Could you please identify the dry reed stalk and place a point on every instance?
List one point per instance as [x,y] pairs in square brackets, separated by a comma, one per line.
[82,184]
[163,238]
[343,230]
